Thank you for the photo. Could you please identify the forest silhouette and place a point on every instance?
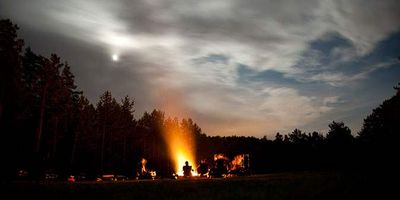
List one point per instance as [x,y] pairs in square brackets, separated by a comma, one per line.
[46,122]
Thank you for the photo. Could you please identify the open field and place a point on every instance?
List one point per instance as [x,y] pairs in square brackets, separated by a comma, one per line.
[299,185]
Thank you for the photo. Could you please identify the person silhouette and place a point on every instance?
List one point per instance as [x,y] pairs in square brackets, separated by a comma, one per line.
[203,168]
[187,170]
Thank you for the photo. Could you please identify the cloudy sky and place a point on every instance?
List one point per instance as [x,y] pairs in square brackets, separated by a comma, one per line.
[238,67]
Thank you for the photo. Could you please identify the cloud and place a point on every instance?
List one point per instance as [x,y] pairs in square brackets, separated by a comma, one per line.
[191,52]
[343,54]
[355,21]
[302,109]
[273,35]
[340,79]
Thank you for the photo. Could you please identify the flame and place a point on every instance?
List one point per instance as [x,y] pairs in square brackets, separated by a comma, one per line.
[181,156]
[237,162]
[143,162]
[180,147]
[220,156]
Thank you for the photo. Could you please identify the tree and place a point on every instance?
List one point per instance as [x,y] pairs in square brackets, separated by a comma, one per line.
[10,61]
[383,124]
[298,137]
[84,146]
[379,135]
[48,88]
[278,138]
[106,117]
[315,138]
[339,134]
[128,123]
[10,93]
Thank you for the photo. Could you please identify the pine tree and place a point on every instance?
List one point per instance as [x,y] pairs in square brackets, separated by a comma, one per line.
[10,104]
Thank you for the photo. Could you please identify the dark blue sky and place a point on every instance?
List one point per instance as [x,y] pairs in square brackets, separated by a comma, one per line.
[235,67]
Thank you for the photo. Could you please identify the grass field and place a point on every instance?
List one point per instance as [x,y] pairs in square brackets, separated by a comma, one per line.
[299,185]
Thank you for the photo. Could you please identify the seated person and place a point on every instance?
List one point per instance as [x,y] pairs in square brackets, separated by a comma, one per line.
[187,170]
[203,168]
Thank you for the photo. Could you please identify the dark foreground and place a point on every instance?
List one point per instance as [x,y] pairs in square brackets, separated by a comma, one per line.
[299,185]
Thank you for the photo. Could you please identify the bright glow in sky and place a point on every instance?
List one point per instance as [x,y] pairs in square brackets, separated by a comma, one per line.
[235,67]
[115,57]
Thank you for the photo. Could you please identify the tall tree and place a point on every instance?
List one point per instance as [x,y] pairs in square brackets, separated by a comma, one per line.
[104,108]
[84,147]
[10,104]
[48,87]
[128,123]
[10,61]
[383,124]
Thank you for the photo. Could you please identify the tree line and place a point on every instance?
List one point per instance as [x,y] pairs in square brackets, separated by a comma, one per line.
[46,122]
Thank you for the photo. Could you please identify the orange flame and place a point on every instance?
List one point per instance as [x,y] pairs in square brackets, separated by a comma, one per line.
[220,156]
[180,145]
[143,162]
[237,162]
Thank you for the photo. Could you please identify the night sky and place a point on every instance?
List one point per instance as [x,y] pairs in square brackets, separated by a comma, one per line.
[235,67]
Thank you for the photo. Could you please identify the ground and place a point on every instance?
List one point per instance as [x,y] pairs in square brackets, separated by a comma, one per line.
[294,185]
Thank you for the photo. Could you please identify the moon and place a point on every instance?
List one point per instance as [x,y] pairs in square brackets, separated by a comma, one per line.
[115,57]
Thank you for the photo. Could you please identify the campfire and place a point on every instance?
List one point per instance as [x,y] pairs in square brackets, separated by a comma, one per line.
[223,167]
[181,148]
[143,172]
[237,162]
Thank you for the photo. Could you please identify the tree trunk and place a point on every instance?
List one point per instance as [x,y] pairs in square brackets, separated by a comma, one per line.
[124,150]
[103,137]
[39,130]
[74,147]
[55,138]
[1,114]
[79,129]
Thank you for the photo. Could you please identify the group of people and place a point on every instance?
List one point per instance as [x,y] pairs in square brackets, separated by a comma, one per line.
[202,169]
